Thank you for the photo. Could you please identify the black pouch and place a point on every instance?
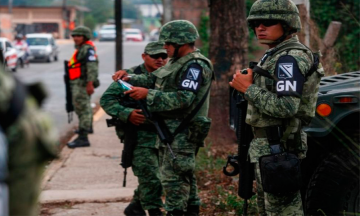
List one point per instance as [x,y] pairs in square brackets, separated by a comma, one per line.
[96,83]
[280,173]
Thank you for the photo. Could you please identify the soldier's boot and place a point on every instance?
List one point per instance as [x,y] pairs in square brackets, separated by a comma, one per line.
[155,212]
[175,213]
[193,210]
[134,209]
[90,131]
[81,141]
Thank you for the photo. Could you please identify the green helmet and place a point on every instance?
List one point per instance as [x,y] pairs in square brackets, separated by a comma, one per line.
[179,32]
[283,10]
[82,30]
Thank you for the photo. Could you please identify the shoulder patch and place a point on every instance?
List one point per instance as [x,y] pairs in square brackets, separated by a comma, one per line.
[192,78]
[91,56]
[290,79]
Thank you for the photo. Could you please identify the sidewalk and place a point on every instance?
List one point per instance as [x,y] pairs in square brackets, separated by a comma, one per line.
[88,181]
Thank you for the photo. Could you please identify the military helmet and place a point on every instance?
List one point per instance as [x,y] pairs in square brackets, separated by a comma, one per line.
[178,32]
[283,10]
[82,30]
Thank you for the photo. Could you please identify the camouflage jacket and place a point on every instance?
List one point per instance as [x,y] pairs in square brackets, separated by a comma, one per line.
[87,54]
[109,102]
[173,98]
[267,108]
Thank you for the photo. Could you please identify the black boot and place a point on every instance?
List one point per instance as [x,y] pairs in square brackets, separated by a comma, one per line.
[80,141]
[175,213]
[155,212]
[193,210]
[134,209]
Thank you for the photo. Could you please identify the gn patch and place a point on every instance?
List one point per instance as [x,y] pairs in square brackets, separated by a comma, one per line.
[192,78]
[91,56]
[290,79]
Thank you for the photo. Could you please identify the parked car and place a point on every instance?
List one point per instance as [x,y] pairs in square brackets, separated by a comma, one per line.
[42,47]
[107,33]
[10,54]
[133,34]
[154,35]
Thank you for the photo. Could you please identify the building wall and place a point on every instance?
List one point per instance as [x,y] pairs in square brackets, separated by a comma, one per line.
[6,26]
[40,17]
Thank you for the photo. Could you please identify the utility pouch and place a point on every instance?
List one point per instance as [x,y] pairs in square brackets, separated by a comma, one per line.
[198,130]
[280,173]
[96,83]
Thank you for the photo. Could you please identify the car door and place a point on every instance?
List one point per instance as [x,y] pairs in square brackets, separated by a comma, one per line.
[54,47]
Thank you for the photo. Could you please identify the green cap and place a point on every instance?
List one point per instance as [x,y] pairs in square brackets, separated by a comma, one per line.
[153,48]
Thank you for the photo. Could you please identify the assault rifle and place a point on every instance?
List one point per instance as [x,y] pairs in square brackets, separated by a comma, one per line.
[161,128]
[240,163]
[69,105]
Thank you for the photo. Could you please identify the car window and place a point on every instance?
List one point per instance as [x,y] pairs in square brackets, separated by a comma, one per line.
[108,28]
[7,44]
[37,41]
[132,33]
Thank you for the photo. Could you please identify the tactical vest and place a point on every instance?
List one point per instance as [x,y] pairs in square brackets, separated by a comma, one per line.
[167,80]
[77,66]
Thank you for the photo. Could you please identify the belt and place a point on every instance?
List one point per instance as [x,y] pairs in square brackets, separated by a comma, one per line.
[259,132]
[262,132]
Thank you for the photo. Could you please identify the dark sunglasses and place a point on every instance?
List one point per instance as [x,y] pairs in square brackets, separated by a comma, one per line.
[266,23]
[160,55]
[76,35]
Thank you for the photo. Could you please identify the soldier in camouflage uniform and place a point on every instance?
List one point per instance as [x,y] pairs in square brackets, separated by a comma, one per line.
[179,87]
[285,102]
[145,163]
[83,72]
[32,142]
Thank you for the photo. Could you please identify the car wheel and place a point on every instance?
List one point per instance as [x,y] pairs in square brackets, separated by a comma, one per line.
[21,63]
[334,187]
[48,59]
[56,58]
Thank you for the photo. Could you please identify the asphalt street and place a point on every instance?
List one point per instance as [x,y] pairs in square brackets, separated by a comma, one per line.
[51,74]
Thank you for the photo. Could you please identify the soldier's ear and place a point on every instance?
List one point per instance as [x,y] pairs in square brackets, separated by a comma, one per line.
[143,56]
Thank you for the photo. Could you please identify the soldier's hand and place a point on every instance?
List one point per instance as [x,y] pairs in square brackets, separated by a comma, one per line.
[138,93]
[136,117]
[90,88]
[121,74]
[241,82]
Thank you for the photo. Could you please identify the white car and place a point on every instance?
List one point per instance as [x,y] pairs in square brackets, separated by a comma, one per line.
[107,32]
[154,35]
[10,54]
[132,34]
[42,47]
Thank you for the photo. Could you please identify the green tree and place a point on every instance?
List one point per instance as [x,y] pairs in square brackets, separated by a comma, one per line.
[348,43]
[129,11]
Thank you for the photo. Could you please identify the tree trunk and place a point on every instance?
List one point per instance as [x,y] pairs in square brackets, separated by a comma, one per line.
[228,53]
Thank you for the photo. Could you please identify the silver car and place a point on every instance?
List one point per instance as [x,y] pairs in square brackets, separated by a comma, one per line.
[42,47]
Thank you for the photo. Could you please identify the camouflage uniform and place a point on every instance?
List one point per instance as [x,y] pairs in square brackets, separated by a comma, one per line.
[269,105]
[89,73]
[145,163]
[173,99]
[32,142]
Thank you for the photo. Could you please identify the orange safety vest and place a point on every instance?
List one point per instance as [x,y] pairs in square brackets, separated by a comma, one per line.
[75,66]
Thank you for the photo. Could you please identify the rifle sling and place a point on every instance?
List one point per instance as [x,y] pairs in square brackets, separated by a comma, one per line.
[188,118]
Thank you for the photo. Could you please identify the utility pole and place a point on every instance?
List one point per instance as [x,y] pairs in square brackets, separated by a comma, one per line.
[118,24]
[168,9]
[10,6]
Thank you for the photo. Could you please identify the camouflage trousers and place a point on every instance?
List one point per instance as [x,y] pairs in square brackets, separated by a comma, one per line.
[272,205]
[81,101]
[145,166]
[177,176]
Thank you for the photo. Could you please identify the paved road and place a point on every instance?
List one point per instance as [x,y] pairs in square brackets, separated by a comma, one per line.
[51,74]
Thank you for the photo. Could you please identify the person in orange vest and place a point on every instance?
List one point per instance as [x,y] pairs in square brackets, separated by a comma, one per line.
[83,73]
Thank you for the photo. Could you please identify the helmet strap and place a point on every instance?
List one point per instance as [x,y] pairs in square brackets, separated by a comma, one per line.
[176,51]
